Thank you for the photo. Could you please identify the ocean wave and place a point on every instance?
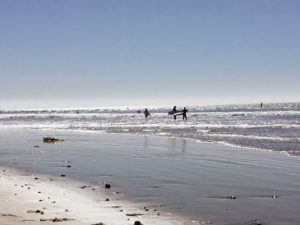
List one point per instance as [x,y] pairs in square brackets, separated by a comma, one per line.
[273,107]
[276,127]
[254,137]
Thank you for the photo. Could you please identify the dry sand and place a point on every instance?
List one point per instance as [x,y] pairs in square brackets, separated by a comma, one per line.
[35,199]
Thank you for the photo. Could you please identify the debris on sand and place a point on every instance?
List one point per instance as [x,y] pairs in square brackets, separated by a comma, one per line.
[134,214]
[232,197]
[52,140]
[56,220]
[7,214]
[36,211]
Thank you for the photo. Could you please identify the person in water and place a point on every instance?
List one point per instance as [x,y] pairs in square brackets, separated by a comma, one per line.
[146,112]
[261,105]
[184,111]
[174,111]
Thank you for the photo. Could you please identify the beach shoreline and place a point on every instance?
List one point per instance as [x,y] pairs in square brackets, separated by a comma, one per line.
[182,180]
[275,127]
[36,198]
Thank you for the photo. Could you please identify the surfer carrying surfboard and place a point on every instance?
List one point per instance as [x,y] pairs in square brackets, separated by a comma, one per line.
[174,112]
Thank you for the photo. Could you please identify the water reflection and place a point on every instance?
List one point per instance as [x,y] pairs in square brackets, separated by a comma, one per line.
[146,145]
[173,146]
[178,145]
[183,147]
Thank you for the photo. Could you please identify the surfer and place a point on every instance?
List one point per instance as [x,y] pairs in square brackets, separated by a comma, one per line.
[184,111]
[261,105]
[174,109]
[174,112]
[146,112]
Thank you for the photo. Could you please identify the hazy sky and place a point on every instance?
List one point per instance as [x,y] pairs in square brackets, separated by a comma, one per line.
[68,53]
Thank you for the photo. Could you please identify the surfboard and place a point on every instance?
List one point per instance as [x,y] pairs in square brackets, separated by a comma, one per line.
[177,113]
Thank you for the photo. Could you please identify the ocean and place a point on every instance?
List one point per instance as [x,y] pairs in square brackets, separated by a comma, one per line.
[182,168]
[273,127]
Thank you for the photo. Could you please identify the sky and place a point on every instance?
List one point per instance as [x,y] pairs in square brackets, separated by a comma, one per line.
[99,53]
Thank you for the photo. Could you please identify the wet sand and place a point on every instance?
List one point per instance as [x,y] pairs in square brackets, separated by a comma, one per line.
[204,183]
[37,199]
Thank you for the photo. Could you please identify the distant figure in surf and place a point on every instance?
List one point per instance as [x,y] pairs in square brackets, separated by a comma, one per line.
[184,111]
[174,112]
[146,112]
[261,105]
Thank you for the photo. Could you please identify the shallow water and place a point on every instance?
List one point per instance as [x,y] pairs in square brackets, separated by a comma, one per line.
[274,127]
[183,176]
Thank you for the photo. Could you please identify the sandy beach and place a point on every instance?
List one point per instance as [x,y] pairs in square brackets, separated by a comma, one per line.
[154,180]
[28,199]
[23,204]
